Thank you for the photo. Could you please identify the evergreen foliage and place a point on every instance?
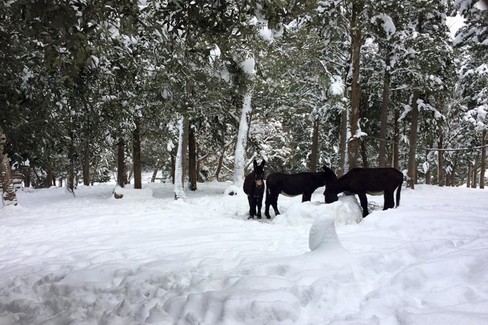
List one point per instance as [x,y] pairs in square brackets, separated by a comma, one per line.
[77,75]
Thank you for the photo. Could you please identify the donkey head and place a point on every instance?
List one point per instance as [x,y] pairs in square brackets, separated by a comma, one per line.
[330,178]
[258,172]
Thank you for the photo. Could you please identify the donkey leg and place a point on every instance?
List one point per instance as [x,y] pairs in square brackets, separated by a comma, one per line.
[252,207]
[267,203]
[389,202]
[364,203]
[259,203]
[272,199]
[306,197]
[275,205]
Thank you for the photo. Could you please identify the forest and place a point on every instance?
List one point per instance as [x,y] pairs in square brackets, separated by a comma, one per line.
[196,90]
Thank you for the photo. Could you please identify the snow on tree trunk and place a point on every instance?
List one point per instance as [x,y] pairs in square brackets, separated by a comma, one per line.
[136,153]
[8,191]
[483,159]
[353,145]
[178,186]
[412,161]
[240,153]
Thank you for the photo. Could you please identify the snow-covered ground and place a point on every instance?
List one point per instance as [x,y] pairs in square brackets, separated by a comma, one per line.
[148,259]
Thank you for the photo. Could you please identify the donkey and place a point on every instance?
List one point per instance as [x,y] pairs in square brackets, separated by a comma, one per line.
[373,181]
[254,188]
[293,185]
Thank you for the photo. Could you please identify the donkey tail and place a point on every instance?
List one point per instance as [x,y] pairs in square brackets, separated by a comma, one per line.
[399,189]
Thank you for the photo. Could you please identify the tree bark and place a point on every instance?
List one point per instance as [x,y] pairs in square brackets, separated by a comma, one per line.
[440,156]
[315,146]
[240,153]
[364,154]
[454,169]
[179,162]
[70,180]
[384,118]
[9,197]
[86,165]
[483,160]
[221,162]
[343,145]
[353,145]
[192,159]
[136,147]
[412,161]
[470,173]
[395,151]
[474,182]
[26,170]
[155,173]
[121,163]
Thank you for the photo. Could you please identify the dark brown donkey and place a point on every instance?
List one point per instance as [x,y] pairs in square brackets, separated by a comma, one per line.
[295,184]
[373,181]
[254,188]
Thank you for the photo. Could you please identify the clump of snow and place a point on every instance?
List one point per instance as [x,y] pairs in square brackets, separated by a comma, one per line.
[323,234]
[129,193]
[337,86]
[233,190]
[387,24]
[248,66]
[346,210]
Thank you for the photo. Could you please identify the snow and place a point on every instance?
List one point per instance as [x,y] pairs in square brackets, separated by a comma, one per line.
[454,24]
[337,86]
[387,24]
[150,259]
[240,151]
[248,66]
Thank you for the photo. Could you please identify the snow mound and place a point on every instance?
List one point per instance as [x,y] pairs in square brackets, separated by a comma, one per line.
[145,193]
[323,234]
[346,211]
[233,190]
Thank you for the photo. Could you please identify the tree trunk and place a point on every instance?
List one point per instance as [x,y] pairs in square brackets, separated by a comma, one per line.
[121,163]
[384,117]
[454,170]
[155,173]
[474,182]
[412,161]
[428,174]
[353,151]
[315,146]
[364,154]
[136,147]
[26,170]
[70,180]
[441,176]
[179,162]
[86,165]
[9,197]
[343,145]
[221,162]
[483,160]
[396,140]
[173,165]
[240,153]
[192,159]
[470,173]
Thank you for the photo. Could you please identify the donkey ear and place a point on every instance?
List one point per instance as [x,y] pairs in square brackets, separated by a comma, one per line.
[263,162]
[255,163]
